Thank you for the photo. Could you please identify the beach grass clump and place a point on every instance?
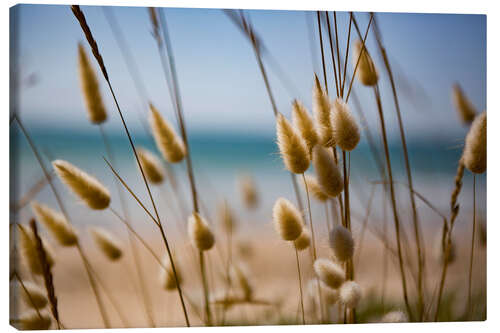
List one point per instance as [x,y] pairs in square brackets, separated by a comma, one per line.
[345,128]
[167,141]
[474,156]
[329,272]
[366,72]
[200,234]
[151,165]
[56,223]
[465,109]
[287,220]
[327,172]
[304,124]
[342,243]
[107,243]
[322,114]
[350,294]
[293,148]
[90,88]
[83,185]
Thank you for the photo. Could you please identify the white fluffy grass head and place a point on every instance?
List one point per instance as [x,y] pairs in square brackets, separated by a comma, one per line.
[367,72]
[167,141]
[199,233]
[474,156]
[293,148]
[327,172]
[248,190]
[322,114]
[32,321]
[84,186]
[350,294]
[36,298]
[466,111]
[167,277]
[342,243]
[329,273]
[107,243]
[315,189]
[345,128]
[287,220]
[304,240]
[239,276]
[28,250]
[151,165]
[56,223]
[396,316]
[329,295]
[90,88]
[304,124]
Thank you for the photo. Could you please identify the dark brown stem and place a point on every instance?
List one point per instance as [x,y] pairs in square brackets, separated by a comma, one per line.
[323,52]
[346,56]
[337,45]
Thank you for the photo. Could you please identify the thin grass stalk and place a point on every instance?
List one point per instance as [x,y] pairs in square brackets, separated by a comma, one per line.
[454,208]
[327,218]
[393,198]
[363,227]
[337,44]
[64,212]
[135,255]
[323,54]
[469,295]
[313,244]
[88,34]
[346,56]
[300,286]
[337,79]
[416,223]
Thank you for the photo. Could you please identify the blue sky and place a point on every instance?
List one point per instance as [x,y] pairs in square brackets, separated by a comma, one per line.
[221,86]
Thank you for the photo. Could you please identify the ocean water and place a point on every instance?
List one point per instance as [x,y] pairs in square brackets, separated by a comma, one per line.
[219,159]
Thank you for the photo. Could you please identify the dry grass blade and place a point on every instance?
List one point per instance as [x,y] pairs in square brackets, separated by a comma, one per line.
[47,274]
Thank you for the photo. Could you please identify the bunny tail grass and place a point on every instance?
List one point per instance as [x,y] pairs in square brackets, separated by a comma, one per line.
[474,156]
[466,111]
[304,124]
[345,129]
[56,223]
[86,187]
[327,173]
[152,166]
[322,111]
[28,250]
[367,73]
[167,141]
[200,234]
[287,220]
[293,148]
[90,88]
[329,272]
[107,243]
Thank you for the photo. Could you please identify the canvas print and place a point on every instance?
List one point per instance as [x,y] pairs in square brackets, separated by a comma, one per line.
[227,167]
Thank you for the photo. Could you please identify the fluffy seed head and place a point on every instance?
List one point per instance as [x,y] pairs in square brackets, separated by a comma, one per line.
[86,187]
[466,111]
[293,148]
[341,243]
[345,128]
[38,299]
[167,141]
[322,110]
[108,244]
[397,316]
[287,220]
[226,218]
[56,223]
[239,275]
[90,88]
[367,73]
[167,277]
[350,294]
[304,124]
[315,189]
[32,321]
[329,295]
[304,240]
[474,156]
[327,173]
[151,165]
[199,233]
[248,191]
[329,272]
[29,252]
